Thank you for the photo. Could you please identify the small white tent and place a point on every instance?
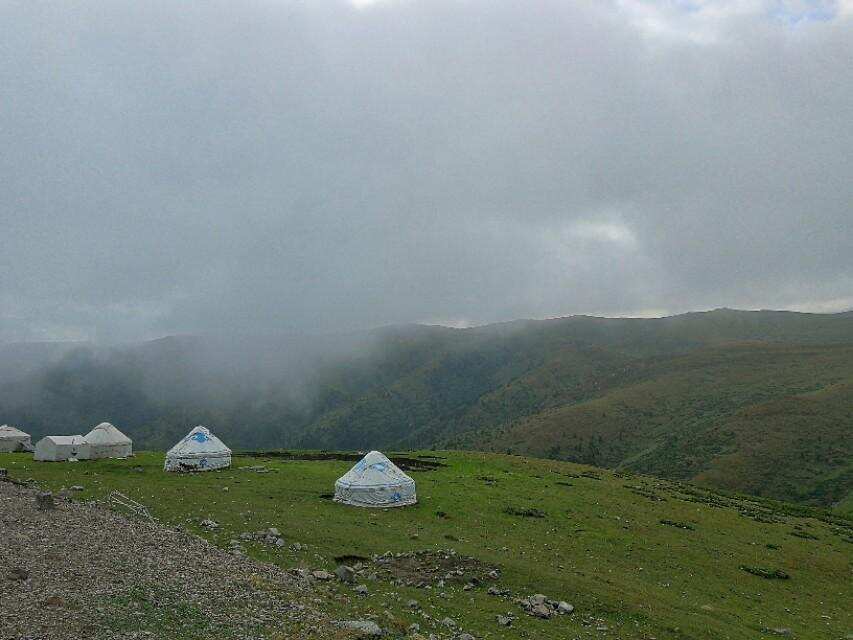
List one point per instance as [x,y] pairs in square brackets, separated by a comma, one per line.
[200,450]
[54,448]
[375,481]
[12,439]
[105,441]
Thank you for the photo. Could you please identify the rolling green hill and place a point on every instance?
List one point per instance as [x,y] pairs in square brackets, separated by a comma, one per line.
[669,397]
[638,557]
[748,401]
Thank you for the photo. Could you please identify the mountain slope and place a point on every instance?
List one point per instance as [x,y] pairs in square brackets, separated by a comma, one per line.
[679,397]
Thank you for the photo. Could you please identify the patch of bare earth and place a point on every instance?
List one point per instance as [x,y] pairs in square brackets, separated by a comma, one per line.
[83,571]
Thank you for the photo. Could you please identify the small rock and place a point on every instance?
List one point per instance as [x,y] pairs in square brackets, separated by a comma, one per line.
[322,575]
[413,604]
[564,607]
[209,524]
[361,589]
[279,542]
[367,628]
[345,573]
[413,628]
[448,622]
[17,573]
[541,611]
[505,621]
[77,487]
[272,531]
[537,599]
[465,636]
[783,631]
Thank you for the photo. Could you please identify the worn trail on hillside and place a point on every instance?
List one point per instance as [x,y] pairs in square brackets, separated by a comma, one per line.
[81,570]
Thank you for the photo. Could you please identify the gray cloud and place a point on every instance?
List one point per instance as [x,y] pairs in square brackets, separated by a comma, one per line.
[323,165]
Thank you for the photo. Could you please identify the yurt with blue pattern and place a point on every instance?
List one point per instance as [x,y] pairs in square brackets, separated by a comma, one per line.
[200,450]
[375,481]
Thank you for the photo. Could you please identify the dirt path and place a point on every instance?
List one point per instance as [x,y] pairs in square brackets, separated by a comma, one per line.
[83,571]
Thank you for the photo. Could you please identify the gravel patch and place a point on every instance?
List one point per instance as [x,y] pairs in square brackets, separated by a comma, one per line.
[83,571]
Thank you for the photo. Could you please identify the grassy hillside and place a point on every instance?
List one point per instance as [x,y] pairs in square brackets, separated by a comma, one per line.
[772,420]
[638,557]
[653,396]
[729,398]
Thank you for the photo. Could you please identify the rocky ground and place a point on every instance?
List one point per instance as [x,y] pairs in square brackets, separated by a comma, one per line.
[83,571]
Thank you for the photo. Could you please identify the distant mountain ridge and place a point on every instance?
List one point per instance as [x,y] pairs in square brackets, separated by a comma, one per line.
[758,401]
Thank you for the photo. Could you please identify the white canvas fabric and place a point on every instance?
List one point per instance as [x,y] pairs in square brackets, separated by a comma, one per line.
[105,441]
[375,481]
[57,448]
[200,450]
[12,439]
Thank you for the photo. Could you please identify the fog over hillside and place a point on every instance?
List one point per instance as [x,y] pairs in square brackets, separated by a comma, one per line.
[671,396]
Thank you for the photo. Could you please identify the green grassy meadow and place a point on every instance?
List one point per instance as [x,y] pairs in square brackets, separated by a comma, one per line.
[601,544]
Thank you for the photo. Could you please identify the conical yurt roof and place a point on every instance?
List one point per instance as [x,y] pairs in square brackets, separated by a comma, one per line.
[105,433]
[199,441]
[374,470]
[8,431]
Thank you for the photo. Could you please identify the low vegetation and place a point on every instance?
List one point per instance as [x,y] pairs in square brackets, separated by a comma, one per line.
[713,570]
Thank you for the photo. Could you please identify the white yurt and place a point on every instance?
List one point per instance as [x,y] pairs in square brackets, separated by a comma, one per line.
[105,441]
[200,450]
[55,448]
[375,481]
[12,439]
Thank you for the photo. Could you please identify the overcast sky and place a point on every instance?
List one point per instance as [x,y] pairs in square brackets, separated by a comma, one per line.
[322,165]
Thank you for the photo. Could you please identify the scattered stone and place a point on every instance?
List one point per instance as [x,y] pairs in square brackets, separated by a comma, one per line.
[272,531]
[528,512]
[505,621]
[17,573]
[77,487]
[782,631]
[44,501]
[413,604]
[367,628]
[345,573]
[540,606]
[321,574]
[449,622]
[413,628]
[361,589]
[209,524]
[465,636]
[564,607]
[768,574]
